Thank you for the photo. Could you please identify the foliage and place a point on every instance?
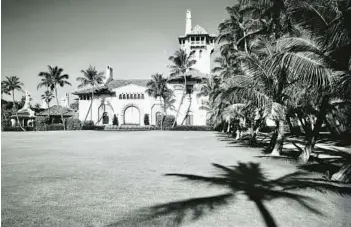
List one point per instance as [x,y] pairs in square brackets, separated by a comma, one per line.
[190,128]
[74,105]
[5,123]
[129,128]
[73,124]
[168,121]
[55,127]
[41,123]
[17,129]
[88,125]
[115,120]
[146,119]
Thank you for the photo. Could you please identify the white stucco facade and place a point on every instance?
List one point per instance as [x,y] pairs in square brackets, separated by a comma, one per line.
[127,99]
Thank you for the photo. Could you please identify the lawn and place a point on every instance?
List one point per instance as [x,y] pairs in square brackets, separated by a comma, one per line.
[95,178]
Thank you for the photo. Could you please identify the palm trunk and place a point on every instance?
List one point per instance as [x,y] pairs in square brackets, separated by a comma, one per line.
[162,113]
[278,146]
[312,136]
[181,102]
[187,112]
[267,217]
[15,110]
[86,116]
[58,104]
[92,100]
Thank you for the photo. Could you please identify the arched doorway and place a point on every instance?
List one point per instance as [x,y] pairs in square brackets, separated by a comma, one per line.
[105,118]
[131,116]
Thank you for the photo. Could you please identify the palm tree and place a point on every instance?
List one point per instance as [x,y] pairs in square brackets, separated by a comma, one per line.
[11,84]
[182,67]
[91,77]
[47,97]
[52,79]
[157,88]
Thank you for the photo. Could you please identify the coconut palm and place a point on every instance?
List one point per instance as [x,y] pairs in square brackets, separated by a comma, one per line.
[91,77]
[10,85]
[47,97]
[51,80]
[157,88]
[182,64]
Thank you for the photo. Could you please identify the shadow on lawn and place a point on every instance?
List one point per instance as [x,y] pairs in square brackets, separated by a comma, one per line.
[244,178]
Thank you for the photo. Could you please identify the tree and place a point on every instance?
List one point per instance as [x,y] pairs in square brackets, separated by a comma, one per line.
[91,77]
[182,64]
[157,88]
[51,80]
[47,97]
[11,84]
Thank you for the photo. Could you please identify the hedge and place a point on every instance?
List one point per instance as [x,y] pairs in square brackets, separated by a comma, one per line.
[168,121]
[130,128]
[17,129]
[73,124]
[190,128]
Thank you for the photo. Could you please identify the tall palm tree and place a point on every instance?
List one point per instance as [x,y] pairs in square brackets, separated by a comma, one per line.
[47,97]
[91,77]
[51,80]
[11,84]
[182,64]
[157,88]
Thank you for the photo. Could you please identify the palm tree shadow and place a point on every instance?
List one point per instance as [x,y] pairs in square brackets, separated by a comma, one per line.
[245,178]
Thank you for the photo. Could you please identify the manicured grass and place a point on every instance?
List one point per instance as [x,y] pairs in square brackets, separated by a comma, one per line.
[95,178]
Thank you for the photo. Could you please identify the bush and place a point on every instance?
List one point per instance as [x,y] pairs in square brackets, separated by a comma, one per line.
[168,121]
[88,125]
[190,128]
[41,123]
[73,124]
[5,123]
[115,120]
[55,127]
[130,128]
[146,119]
[17,129]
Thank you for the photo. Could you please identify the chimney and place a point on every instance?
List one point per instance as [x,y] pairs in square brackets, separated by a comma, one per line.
[188,22]
[109,74]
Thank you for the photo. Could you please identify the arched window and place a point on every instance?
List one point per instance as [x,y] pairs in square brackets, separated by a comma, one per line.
[120,96]
[105,118]
[135,96]
[127,96]
[124,96]
[138,96]
[142,96]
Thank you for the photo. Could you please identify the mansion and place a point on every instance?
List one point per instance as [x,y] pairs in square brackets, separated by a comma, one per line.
[127,98]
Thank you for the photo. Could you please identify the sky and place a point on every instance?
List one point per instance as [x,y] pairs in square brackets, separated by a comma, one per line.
[135,37]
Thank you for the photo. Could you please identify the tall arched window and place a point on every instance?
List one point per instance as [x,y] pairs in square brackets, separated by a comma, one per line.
[120,96]
[157,117]
[142,96]
[138,96]
[135,96]
[124,96]
[127,96]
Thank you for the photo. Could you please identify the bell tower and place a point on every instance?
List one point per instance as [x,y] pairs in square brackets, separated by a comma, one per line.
[197,39]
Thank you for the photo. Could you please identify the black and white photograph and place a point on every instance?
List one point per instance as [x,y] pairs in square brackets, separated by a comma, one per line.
[169,113]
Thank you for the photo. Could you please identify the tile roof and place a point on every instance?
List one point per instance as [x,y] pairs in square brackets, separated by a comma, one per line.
[114,84]
[56,110]
[194,74]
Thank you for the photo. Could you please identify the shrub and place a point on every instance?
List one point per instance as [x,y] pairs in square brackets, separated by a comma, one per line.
[55,127]
[167,121]
[73,124]
[88,125]
[190,128]
[115,120]
[5,123]
[41,123]
[129,128]
[17,129]
[146,119]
